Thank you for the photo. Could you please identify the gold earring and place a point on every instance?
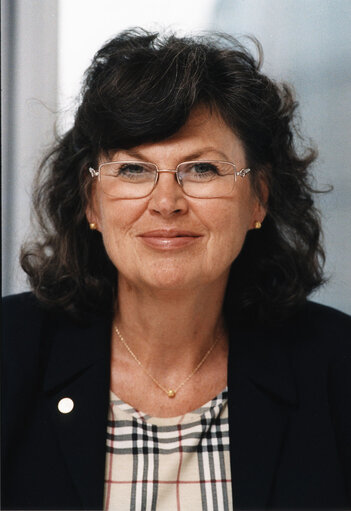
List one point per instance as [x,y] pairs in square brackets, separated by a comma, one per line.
[257,225]
[93,226]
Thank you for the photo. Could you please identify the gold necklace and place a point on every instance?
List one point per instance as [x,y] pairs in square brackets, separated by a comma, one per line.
[170,392]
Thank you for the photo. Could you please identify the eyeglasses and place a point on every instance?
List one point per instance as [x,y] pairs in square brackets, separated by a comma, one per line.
[137,179]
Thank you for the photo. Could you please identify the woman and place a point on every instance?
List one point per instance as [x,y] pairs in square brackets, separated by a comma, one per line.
[179,242]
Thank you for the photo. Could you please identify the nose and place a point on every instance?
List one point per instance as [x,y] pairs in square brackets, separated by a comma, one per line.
[168,198]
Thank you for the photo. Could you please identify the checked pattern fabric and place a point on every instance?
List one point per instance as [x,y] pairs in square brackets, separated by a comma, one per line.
[178,463]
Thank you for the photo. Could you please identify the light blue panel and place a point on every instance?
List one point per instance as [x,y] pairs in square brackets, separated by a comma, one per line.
[308,43]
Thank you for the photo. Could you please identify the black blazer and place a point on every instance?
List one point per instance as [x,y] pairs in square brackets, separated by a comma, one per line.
[289,410]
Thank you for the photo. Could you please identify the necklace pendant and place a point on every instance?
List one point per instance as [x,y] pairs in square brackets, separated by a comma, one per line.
[171,393]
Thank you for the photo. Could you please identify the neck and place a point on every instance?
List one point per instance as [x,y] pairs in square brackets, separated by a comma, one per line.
[170,329]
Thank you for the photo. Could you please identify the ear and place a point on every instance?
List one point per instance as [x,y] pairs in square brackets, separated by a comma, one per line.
[91,218]
[262,195]
[91,210]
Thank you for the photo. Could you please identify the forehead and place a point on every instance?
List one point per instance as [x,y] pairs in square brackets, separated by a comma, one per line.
[204,135]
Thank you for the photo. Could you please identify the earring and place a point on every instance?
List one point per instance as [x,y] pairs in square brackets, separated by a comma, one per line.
[93,226]
[257,225]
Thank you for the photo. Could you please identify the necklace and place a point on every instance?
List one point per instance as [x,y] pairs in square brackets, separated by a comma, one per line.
[170,392]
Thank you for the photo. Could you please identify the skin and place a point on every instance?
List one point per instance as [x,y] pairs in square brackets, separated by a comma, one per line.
[170,292]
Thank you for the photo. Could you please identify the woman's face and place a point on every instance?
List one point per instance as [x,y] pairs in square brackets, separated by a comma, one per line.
[169,240]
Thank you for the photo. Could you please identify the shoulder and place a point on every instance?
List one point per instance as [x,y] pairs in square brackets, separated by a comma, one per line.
[318,315]
[323,327]
[23,323]
[23,320]
[32,332]
[23,317]
[27,329]
[25,313]
[22,305]
[313,327]
[19,300]
[319,350]
[313,339]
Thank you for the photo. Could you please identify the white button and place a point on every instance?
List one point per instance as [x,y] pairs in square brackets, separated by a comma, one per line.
[65,405]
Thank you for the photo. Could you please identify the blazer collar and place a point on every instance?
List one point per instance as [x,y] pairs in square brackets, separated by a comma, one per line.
[262,396]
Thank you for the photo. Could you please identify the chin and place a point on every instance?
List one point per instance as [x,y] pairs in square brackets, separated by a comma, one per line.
[180,277]
[172,280]
[171,275]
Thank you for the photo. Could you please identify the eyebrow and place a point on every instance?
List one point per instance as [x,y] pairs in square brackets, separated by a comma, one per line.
[134,153]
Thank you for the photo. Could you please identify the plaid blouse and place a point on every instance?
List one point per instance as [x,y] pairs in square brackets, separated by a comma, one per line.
[177,463]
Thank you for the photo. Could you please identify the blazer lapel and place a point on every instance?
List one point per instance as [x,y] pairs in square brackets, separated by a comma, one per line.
[79,368]
[261,396]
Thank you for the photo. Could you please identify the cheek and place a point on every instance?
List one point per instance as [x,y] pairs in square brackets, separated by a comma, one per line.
[228,227]
[116,216]
[115,219]
[231,235]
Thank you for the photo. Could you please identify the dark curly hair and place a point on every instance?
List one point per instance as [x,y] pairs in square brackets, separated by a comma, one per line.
[141,87]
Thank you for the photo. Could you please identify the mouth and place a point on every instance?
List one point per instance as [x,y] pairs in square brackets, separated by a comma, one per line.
[168,239]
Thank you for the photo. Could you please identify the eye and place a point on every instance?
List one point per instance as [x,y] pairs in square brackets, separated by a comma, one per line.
[202,170]
[130,171]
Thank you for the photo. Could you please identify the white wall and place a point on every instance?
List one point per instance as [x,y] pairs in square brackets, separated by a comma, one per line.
[83,28]
[29,102]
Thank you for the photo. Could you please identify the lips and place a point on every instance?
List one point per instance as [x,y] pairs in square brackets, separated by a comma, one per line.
[167,239]
[169,233]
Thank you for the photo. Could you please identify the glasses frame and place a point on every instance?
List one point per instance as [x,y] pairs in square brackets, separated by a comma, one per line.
[240,173]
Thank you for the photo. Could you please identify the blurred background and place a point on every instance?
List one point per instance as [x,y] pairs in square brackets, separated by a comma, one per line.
[47,45]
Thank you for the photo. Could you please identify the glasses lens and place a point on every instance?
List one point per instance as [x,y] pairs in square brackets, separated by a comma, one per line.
[207,178]
[127,179]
